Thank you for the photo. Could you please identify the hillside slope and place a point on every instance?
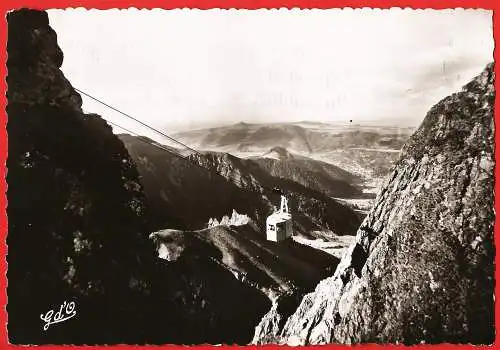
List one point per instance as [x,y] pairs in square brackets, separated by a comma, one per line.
[422,267]
[186,193]
[282,272]
[273,268]
[183,195]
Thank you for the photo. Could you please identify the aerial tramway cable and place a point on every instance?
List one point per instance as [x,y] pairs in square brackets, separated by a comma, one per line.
[137,120]
[162,147]
[146,140]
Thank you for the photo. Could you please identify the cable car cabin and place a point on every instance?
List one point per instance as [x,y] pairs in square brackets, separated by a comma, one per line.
[278,228]
[279,224]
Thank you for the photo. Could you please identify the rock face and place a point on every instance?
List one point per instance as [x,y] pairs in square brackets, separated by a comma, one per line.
[421,269]
[75,203]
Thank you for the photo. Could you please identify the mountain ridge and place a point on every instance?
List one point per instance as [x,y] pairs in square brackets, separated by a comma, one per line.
[195,185]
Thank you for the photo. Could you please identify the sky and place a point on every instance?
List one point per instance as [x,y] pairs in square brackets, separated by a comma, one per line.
[182,69]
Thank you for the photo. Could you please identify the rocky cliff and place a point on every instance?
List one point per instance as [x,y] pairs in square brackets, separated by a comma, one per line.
[75,203]
[421,269]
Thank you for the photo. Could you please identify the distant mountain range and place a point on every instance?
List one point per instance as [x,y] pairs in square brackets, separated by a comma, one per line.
[299,137]
[365,151]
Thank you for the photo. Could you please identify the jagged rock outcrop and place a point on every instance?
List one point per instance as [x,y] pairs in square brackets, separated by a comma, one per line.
[269,328]
[235,220]
[257,274]
[422,267]
[213,222]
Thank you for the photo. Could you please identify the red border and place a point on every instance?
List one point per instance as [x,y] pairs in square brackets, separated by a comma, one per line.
[248,4]
[6,5]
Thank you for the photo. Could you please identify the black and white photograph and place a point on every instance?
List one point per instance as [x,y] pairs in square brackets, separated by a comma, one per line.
[250,177]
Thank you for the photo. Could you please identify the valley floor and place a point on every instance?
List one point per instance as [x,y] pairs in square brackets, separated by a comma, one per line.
[335,245]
